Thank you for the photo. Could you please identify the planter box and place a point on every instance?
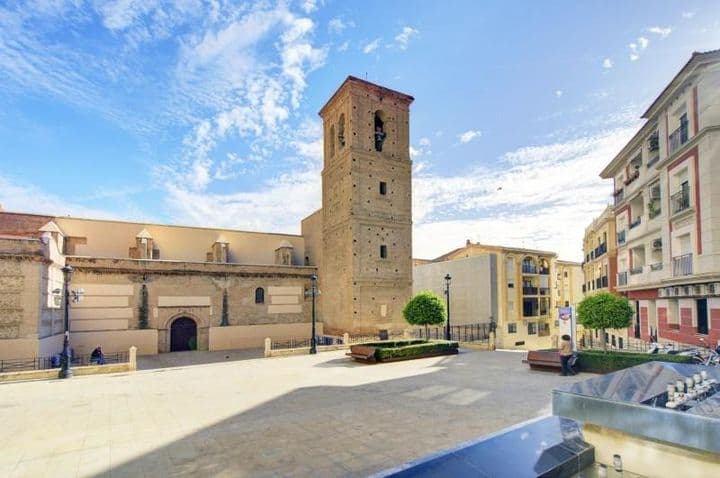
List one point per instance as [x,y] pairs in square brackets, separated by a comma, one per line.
[393,351]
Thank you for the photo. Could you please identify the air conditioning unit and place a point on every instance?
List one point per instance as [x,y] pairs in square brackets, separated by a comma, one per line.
[657,244]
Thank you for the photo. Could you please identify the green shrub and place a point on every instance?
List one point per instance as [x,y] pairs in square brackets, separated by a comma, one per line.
[425,308]
[414,349]
[394,343]
[600,361]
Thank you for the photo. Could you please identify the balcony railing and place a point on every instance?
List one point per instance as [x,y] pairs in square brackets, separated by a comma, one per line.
[678,137]
[633,176]
[682,265]
[528,269]
[681,200]
[621,237]
[636,270]
[544,270]
[600,250]
[622,278]
[530,291]
[636,222]
[656,267]
[619,195]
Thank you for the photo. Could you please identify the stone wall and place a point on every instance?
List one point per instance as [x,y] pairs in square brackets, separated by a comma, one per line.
[112,301]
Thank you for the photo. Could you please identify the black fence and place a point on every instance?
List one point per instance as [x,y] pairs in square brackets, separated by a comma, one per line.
[305,342]
[43,363]
[461,333]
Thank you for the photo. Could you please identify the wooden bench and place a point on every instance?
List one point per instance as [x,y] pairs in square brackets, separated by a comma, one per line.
[543,359]
[362,353]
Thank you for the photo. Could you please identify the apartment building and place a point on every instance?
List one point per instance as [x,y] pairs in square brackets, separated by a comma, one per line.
[519,289]
[667,209]
[600,254]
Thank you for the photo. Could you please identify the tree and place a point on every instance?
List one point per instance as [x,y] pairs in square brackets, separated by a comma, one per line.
[425,309]
[604,311]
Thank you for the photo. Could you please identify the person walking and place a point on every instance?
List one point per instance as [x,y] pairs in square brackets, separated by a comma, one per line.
[566,353]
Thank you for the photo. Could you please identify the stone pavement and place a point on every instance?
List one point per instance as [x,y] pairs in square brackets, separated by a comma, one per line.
[318,416]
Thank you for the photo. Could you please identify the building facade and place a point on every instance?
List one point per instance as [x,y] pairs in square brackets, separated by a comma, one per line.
[519,289]
[165,288]
[667,209]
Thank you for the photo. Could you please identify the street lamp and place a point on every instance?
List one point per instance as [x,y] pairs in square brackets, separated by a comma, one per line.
[65,371]
[447,298]
[313,293]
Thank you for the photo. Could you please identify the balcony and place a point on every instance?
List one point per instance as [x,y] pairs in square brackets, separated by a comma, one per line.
[633,176]
[636,270]
[621,237]
[530,290]
[682,265]
[600,250]
[678,137]
[528,269]
[680,201]
[619,195]
[622,278]
[636,222]
[654,209]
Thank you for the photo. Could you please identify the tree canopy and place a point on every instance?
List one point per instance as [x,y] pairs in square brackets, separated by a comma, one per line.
[425,308]
[604,311]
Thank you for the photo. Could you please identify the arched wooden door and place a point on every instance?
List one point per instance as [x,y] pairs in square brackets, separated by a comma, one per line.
[183,334]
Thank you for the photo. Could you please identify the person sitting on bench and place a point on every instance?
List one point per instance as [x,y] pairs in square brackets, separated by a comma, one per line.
[97,356]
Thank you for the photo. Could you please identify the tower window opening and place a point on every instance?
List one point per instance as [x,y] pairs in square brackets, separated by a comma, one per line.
[380,134]
[383,188]
[341,131]
[383,252]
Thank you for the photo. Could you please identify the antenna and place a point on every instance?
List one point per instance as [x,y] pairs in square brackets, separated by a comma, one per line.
[366,76]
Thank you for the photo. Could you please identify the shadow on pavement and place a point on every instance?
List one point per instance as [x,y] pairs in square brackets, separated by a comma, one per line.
[196,357]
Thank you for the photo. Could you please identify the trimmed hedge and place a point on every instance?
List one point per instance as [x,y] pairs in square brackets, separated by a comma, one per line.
[405,350]
[610,361]
[393,343]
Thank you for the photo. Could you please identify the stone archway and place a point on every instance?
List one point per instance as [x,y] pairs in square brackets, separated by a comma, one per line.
[183,334]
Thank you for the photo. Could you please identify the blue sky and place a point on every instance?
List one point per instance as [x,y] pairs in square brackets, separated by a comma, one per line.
[204,112]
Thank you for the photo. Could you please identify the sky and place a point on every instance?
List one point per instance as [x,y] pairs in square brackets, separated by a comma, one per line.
[204,112]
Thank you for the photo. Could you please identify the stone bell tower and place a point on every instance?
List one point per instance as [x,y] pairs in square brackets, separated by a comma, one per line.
[366,273]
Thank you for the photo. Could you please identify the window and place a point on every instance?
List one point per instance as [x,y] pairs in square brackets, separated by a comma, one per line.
[566,274]
[567,303]
[383,188]
[380,133]
[341,131]
[532,328]
[383,251]
[259,295]
[620,342]
[332,141]
[512,328]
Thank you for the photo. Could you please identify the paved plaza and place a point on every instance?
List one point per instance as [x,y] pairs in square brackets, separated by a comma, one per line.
[320,415]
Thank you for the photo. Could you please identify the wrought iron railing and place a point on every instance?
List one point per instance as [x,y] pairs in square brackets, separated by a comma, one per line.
[528,269]
[681,200]
[530,290]
[619,195]
[678,137]
[682,265]
[636,222]
[43,363]
[461,333]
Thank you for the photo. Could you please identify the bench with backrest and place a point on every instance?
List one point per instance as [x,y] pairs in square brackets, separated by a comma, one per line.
[543,359]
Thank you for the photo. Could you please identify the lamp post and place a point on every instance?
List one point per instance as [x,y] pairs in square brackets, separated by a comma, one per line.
[65,371]
[313,292]
[447,298]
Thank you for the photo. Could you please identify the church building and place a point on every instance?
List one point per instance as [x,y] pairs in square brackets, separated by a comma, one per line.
[167,287]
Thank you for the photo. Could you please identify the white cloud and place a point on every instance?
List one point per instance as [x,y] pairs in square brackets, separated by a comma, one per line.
[534,198]
[643,42]
[424,142]
[309,6]
[662,31]
[372,46]
[469,135]
[403,38]
[634,56]
[688,14]
[337,25]
[343,46]
[423,148]
[558,93]
[607,63]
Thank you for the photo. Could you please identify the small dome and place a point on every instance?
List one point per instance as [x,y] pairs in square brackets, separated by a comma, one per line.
[285,244]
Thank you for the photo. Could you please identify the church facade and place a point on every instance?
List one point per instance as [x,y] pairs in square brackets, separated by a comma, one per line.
[165,288]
